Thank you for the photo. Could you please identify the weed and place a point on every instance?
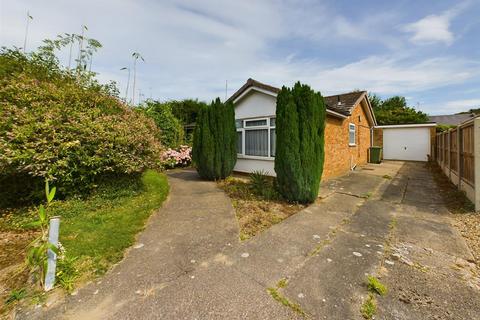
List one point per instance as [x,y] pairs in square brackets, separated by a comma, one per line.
[259,181]
[374,285]
[320,246]
[282,283]
[283,300]
[393,224]
[386,176]
[369,307]
[67,273]
[367,195]
[16,295]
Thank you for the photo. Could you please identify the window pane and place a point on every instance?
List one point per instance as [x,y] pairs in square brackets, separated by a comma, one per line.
[256,123]
[256,142]
[351,135]
[272,142]
[239,141]
[272,122]
[239,123]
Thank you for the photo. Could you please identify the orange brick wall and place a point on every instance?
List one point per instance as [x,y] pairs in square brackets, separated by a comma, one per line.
[378,137]
[339,156]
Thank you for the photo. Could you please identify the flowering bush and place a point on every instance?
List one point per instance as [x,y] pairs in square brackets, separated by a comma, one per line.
[180,157]
[64,129]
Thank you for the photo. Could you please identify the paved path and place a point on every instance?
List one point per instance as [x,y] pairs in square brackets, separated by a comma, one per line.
[192,266]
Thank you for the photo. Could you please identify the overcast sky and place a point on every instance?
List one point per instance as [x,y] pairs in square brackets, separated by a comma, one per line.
[427,51]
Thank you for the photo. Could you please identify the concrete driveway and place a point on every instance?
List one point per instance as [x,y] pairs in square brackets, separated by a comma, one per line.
[385,220]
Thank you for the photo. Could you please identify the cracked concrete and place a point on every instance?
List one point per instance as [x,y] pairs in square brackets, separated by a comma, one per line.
[387,220]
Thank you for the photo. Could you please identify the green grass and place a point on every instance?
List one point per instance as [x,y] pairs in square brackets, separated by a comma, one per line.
[374,285]
[369,307]
[95,231]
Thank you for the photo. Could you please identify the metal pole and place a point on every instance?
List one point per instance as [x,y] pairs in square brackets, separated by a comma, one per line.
[52,257]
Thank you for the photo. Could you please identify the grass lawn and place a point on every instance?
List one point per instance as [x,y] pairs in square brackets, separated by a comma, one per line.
[257,209]
[94,231]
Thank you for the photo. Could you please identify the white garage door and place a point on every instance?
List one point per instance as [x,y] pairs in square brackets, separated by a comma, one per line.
[406,144]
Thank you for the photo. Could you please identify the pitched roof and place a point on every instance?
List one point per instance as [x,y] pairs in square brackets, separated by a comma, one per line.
[341,103]
[345,102]
[451,119]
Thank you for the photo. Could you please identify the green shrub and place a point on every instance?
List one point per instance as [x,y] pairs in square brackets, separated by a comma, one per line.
[300,122]
[66,128]
[171,134]
[214,144]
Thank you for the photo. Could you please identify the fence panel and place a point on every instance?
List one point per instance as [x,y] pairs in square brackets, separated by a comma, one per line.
[467,172]
[453,150]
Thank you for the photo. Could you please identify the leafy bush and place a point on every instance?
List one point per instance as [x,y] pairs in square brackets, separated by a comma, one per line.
[180,157]
[171,134]
[214,142]
[263,185]
[394,110]
[300,121]
[65,127]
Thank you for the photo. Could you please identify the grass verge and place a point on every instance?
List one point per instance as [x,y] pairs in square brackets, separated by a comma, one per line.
[257,209]
[94,231]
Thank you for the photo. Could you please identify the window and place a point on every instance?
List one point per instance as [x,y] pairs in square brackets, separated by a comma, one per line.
[239,142]
[256,137]
[351,134]
[256,142]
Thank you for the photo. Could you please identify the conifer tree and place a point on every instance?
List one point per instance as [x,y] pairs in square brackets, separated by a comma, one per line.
[214,143]
[300,126]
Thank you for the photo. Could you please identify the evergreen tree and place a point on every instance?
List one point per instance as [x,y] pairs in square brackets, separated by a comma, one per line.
[214,142]
[300,127]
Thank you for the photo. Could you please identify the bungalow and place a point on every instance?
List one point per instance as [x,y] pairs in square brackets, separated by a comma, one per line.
[348,132]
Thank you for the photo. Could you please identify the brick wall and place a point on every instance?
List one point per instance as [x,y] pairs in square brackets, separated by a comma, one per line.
[339,156]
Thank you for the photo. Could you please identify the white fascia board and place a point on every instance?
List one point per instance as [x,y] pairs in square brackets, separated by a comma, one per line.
[256,89]
[415,125]
[336,114]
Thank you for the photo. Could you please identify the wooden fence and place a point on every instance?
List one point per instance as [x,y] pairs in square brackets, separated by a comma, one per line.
[458,154]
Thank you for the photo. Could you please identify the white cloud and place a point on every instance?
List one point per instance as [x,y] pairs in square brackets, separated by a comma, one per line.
[435,28]
[380,74]
[431,29]
[191,48]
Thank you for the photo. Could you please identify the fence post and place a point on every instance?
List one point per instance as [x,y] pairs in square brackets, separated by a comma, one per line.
[449,149]
[459,148]
[476,161]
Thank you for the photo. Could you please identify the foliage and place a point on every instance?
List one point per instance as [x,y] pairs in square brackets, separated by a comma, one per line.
[444,127]
[394,110]
[262,185]
[369,307]
[16,295]
[186,110]
[374,285]
[171,130]
[37,251]
[66,128]
[259,181]
[67,273]
[300,122]
[214,145]
[180,157]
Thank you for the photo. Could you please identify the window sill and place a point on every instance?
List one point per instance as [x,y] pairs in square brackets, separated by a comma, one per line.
[241,156]
[352,144]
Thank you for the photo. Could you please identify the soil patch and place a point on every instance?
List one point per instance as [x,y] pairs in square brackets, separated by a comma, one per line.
[256,212]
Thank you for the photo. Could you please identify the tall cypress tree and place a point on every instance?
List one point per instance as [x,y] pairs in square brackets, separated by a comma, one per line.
[214,143]
[300,127]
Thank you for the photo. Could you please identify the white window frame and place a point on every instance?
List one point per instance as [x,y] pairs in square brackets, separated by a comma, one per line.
[245,128]
[352,128]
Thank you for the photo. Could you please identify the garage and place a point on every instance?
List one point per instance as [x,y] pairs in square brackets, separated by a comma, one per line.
[407,142]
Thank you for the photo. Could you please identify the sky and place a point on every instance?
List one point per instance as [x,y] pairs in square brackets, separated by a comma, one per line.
[425,50]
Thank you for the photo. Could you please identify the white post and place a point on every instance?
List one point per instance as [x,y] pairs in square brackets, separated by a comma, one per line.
[52,257]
